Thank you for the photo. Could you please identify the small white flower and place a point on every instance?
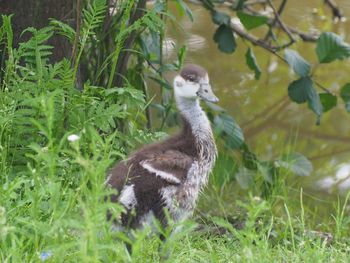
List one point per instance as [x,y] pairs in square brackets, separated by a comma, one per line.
[73,138]
[256,198]
[45,149]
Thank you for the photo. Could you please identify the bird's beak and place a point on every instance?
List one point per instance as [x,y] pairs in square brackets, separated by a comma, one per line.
[206,93]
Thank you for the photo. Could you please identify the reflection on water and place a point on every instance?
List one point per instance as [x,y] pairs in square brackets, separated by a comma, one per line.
[196,42]
[339,183]
[271,123]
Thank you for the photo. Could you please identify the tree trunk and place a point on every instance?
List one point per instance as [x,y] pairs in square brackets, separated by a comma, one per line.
[36,13]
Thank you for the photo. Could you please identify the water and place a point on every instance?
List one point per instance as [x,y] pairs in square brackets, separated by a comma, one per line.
[272,124]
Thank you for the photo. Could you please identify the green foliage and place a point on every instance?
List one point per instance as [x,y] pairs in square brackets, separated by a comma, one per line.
[52,184]
[328,101]
[302,90]
[240,4]
[331,47]
[224,38]
[63,29]
[221,18]
[299,65]
[345,95]
[93,17]
[249,159]
[182,7]
[228,128]
[35,51]
[208,4]
[150,20]
[252,63]
[269,174]
[251,21]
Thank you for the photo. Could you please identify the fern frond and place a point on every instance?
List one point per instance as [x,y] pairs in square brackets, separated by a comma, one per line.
[66,74]
[93,16]
[7,30]
[35,50]
[63,29]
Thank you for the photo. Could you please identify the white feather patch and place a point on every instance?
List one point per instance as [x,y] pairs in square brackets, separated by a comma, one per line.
[165,175]
[147,219]
[127,197]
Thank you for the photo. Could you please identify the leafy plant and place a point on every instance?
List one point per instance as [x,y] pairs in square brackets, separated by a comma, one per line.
[331,47]
[251,21]
[57,142]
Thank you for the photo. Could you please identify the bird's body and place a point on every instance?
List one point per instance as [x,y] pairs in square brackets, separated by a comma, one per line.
[170,174]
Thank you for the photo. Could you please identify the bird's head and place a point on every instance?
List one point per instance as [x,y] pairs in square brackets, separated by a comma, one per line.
[193,83]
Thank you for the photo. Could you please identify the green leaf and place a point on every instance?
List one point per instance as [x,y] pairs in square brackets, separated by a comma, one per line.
[250,161]
[252,63]
[220,18]
[251,21]
[228,128]
[7,29]
[299,65]
[331,47]
[345,95]
[181,55]
[214,107]
[208,4]
[225,39]
[301,91]
[223,223]
[316,106]
[183,7]
[63,29]
[328,101]
[297,163]
[240,4]
[162,82]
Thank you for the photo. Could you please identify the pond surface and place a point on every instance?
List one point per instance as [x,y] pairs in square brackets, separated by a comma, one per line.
[272,124]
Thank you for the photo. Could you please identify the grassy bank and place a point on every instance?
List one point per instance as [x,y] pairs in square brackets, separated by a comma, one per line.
[63,219]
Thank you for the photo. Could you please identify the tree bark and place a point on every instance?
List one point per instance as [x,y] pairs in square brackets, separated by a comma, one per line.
[36,13]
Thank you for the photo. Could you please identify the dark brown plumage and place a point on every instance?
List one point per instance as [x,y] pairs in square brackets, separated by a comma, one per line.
[174,154]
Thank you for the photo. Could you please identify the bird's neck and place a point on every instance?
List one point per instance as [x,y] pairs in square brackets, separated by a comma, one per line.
[199,125]
[192,112]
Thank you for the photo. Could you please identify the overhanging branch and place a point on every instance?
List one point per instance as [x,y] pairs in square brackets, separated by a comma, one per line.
[337,13]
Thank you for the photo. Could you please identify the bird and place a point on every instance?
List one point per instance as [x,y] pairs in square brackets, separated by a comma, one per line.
[164,179]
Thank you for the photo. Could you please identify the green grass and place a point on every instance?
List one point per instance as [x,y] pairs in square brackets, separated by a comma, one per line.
[47,215]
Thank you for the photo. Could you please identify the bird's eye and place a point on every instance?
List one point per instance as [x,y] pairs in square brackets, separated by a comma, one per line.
[206,91]
[191,78]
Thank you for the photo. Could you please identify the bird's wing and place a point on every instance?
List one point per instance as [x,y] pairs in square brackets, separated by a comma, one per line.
[117,177]
[172,166]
